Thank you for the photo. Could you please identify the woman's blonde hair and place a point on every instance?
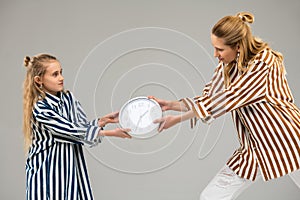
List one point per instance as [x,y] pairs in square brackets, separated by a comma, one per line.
[32,91]
[235,31]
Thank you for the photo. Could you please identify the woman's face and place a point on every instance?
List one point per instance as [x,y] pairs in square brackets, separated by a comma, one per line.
[52,81]
[223,52]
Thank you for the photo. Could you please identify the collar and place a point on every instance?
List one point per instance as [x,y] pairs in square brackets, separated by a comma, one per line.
[54,100]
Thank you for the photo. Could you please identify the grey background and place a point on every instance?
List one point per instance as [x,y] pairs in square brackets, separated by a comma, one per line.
[167,166]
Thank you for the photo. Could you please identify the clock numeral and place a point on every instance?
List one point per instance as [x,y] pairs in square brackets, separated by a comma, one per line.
[133,106]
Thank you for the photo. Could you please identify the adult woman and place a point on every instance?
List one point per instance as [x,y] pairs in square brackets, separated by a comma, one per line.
[250,83]
[55,128]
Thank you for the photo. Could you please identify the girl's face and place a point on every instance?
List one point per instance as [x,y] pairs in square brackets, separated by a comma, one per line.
[52,81]
[223,52]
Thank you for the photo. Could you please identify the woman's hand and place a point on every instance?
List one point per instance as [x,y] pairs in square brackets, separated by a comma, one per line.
[169,105]
[109,118]
[117,132]
[164,104]
[167,121]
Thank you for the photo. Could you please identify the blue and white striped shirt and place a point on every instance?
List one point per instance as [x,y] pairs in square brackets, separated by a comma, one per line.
[56,167]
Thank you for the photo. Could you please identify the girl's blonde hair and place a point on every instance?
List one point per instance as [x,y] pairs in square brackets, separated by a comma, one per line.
[32,91]
[235,31]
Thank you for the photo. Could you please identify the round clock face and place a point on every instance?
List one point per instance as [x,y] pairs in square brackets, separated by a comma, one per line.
[138,115]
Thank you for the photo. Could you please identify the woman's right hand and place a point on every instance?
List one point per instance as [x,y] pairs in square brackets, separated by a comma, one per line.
[169,105]
[164,104]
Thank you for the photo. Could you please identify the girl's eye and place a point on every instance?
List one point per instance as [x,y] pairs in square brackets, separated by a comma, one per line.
[55,74]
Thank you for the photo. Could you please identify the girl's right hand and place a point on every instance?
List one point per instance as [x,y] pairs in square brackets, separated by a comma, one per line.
[117,132]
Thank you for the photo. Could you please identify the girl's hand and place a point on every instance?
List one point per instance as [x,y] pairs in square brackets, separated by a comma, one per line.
[167,121]
[117,132]
[109,118]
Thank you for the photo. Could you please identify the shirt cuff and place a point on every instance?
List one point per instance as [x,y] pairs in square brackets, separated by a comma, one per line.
[199,109]
[93,137]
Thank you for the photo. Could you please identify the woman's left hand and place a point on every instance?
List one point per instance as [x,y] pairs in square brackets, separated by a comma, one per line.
[167,121]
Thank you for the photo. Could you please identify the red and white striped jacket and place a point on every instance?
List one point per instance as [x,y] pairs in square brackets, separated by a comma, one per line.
[263,111]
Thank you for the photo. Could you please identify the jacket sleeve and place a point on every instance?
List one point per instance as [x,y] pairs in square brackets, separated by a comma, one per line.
[249,88]
[77,131]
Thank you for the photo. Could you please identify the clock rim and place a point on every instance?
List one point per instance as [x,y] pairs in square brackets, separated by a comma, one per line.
[144,135]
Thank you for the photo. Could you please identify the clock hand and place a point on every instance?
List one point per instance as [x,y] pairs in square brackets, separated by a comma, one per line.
[144,114]
[141,116]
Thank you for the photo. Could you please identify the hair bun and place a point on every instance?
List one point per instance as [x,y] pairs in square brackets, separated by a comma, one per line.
[27,61]
[246,17]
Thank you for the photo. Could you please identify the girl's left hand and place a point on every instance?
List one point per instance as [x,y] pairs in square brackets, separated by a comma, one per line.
[109,118]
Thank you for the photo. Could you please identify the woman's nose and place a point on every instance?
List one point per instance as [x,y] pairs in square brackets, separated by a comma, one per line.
[216,53]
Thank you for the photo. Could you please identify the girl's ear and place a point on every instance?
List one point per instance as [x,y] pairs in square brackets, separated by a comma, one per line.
[38,80]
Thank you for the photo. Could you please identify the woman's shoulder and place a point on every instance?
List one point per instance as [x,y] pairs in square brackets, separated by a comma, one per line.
[266,56]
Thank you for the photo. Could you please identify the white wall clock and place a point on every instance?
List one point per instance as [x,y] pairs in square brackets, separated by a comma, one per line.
[138,115]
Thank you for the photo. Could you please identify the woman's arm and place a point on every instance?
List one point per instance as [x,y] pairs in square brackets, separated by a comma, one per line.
[248,88]
[168,121]
[170,105]
[171,120]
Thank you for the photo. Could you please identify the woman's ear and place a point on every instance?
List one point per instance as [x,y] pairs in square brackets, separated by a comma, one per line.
[38,80]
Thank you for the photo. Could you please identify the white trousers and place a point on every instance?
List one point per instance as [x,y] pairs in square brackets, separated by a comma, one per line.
[226,185]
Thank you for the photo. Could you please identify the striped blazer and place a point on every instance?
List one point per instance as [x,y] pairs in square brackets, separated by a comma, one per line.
[263,112]
[55,166]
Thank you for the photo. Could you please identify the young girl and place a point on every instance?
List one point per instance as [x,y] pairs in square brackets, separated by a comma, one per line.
[55,129]
[250,83]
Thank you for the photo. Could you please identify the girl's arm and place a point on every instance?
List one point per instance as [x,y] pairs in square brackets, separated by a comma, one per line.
[117,132]
[63,128]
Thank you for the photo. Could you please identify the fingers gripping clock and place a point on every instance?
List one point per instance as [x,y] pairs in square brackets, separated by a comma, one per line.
[138,115]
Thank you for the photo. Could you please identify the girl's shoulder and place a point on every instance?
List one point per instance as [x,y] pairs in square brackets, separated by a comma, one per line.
[50,100]
[69,95]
